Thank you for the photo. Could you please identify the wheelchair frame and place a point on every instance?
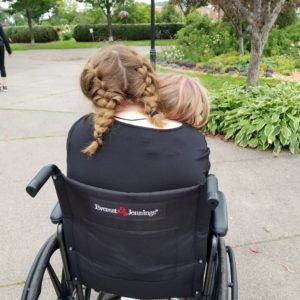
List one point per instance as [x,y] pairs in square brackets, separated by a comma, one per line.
[216,283]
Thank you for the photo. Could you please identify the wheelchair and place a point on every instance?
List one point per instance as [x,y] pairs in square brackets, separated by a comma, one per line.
[158,245]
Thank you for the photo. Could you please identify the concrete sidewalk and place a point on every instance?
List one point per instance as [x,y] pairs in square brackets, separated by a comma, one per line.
[36,113]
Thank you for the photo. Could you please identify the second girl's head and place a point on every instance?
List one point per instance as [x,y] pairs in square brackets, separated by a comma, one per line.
[183,99]
[114,76]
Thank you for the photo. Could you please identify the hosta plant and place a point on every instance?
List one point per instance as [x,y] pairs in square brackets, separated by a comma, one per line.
[262,117]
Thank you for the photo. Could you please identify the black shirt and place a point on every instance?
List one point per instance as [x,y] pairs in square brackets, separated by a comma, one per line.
[138,159]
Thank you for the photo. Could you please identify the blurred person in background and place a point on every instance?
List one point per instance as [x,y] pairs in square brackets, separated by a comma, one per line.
[4,43]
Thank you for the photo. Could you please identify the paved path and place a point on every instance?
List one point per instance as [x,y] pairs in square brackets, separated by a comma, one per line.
[35,115]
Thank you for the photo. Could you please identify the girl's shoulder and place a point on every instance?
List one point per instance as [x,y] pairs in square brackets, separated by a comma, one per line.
[84,123]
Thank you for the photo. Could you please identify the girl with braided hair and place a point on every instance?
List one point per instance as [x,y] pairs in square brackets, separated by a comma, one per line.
[127,144]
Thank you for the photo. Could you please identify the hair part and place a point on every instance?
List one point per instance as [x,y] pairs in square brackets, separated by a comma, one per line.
[112,76]
[183,99]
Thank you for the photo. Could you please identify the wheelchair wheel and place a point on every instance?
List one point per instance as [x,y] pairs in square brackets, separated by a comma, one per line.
[216,278]
[221,273]
[225,285]
[45,282]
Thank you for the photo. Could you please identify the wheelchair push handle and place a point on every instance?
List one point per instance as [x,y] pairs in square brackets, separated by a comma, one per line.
[40,179]
[212,191]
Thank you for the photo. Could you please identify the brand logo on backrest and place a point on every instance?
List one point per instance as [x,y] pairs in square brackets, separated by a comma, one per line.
[126,212]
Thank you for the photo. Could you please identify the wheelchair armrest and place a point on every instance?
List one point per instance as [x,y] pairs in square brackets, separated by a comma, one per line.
[40,179]
[219,223]
[212,191]
[56,215]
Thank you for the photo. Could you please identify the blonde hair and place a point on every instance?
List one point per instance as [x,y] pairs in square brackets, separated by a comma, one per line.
[183,99]
[112,76]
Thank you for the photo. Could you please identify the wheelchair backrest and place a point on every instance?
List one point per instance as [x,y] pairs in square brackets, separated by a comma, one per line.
[139,245]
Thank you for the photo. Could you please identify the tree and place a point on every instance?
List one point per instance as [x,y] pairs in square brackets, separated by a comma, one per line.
[261,16]
[4,16]
[93,15]
[187,6]
[65,13]
[137,12]
[32,9]
[107,6]
[235,18]
[169,14]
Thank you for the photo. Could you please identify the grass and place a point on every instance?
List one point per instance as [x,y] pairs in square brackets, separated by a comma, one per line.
[72,44]
[214,82]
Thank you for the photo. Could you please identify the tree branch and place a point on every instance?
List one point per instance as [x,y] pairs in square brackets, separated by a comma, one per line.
[259,8]
[245,11]
[277,9]
[269,8]
[271,18]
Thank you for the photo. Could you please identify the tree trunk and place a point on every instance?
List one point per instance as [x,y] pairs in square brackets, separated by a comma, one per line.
[109,24]
[255,57]
[261,17]
[241,43]
[29,20]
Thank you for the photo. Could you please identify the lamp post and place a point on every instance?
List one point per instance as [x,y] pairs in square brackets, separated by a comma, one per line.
[152,49]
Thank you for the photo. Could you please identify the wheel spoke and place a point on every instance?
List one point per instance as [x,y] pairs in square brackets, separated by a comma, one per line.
[54,280]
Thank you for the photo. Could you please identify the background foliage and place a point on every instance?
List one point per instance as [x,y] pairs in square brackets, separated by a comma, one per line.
[262,117]
[137,13]
[202,38]
[20,34]
[125,31]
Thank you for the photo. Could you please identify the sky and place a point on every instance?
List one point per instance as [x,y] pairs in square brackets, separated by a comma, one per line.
[2,4]
[5,5]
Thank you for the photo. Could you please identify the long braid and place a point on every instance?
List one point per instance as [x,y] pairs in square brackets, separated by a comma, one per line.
[105,103]
[150,96]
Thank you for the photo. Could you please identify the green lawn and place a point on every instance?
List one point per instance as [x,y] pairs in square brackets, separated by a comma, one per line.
[214,82]
[72,44]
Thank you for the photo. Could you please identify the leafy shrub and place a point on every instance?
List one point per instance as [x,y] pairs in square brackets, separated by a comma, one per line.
[262,117]
[297,64]
[66,33]
[125,31]
[171,54]
[280,64]
[279,43]
[233,62]
[226,63]
[286,17]
[293,32]
[167,30]
[42,34]
[202,38]
[284,41]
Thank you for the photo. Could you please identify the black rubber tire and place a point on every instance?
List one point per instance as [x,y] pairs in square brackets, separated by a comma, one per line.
[33,286]
[222,287]
[31,273]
